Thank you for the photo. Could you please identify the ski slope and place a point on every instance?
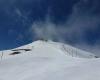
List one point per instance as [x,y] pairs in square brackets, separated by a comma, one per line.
[48,60]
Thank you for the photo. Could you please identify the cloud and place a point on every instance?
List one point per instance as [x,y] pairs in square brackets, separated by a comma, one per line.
[46,30]
[73,30]
[84,17]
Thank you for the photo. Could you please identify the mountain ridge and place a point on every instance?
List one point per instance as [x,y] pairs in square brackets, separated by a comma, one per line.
[40,46]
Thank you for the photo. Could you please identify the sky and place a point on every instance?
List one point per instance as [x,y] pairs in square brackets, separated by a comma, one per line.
[75,22]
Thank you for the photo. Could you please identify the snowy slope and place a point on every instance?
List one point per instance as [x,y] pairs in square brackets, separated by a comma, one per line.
[53,49]
[49,61]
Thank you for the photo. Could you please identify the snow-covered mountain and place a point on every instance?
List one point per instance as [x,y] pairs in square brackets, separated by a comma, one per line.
[48,60]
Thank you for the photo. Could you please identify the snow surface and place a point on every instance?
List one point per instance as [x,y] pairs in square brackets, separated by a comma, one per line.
[49,61]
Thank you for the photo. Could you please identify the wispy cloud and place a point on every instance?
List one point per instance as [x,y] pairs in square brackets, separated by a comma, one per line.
[47,30]
[74,30]
[85,17]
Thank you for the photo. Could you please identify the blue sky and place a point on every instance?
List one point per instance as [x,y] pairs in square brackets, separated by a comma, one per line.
[76,22]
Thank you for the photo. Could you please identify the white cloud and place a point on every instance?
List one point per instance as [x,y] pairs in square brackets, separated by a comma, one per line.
[46,30]
[73,30]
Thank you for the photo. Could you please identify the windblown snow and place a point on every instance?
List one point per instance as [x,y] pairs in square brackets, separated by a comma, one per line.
[47,60]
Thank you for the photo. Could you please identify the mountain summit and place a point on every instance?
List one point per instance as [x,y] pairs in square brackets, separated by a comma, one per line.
[48,48]
[52,49]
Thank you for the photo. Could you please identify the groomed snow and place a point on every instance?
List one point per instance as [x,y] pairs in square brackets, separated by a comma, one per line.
[49,61]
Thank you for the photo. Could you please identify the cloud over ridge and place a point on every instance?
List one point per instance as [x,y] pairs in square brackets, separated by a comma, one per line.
[75,29]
